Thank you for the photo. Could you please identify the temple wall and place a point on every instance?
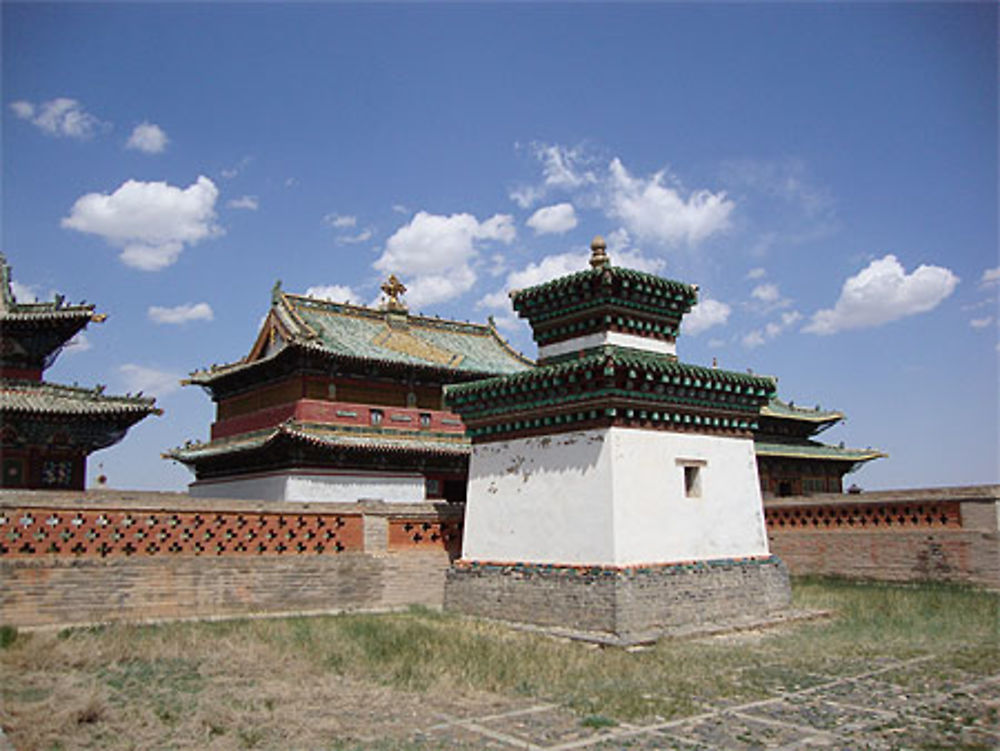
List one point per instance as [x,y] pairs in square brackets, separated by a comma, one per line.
[943,534]
[74,558]
[389,555]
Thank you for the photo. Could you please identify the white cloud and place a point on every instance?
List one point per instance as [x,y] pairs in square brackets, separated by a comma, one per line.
[766,293]
[706,314]
[24,110]
[339,221]
[553,220]
[754,339]
[654,211]
[563,168]
[433,253]
[990,277]
[24,293]
[400,208]
[884,292]
[759,337]
[785,179]
[334,292]
[250,203]
[79,343]
[61,117]
[230,172]
[151,222]
[981,323]
[362,237]
[757,273]
[150,381]
[148,138]
[201,311]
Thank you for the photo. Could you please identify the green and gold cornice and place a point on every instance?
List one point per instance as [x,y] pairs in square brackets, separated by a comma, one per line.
[611,385]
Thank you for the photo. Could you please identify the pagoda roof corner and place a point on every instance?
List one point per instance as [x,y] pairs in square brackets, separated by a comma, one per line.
[790,411]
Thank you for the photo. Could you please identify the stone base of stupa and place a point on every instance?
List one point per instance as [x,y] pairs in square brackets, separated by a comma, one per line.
[623,605]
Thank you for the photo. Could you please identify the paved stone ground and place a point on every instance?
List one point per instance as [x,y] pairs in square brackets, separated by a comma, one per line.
[910,704]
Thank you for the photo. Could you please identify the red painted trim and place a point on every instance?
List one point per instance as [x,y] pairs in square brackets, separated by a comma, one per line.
[324,412]
[23,374]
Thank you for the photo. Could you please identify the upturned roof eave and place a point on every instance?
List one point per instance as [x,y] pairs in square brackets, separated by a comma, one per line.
[194,453]
[95,401]
[619,356]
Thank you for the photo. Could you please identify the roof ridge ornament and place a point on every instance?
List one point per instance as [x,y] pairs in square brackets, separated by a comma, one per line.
[394,289]
[598,253]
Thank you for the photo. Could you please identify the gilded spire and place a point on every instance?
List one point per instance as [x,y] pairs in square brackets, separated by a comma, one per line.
[394,288]
[598,253]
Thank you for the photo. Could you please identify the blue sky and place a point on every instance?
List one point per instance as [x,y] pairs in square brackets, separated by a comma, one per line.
[826,173]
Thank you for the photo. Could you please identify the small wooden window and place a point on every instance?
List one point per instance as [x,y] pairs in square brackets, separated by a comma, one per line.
[376,416]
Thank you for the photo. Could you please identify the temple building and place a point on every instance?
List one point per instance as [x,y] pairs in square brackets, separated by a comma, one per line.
[47,430]
[613,489]
[339,402]
[789,459]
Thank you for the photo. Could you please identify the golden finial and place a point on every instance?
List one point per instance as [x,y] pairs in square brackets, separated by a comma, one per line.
[598,254]
[394,288]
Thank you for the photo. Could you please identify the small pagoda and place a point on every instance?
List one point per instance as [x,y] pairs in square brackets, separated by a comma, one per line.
[341,402]
[47,430]
[613,489]
[790,459]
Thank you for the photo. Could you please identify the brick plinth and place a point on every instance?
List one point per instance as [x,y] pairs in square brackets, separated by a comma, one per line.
[628,605]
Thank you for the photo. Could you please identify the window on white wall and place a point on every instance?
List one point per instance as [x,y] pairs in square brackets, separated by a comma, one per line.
[693,470]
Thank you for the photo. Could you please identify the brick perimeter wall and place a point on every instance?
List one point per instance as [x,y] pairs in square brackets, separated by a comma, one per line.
[45,589]
[632,604]
[943,534]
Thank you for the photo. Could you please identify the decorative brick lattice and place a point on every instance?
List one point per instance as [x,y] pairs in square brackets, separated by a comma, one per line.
[406,534]
[66,532]
[865,516]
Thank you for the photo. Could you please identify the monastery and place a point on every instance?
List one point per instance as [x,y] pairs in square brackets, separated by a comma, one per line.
[47,430]
[338,402]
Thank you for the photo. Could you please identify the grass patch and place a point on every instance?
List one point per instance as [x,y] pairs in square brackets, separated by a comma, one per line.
[8,635]
[303,682]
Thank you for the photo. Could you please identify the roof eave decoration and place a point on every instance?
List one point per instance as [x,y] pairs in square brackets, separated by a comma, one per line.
[194,452]
[33,397]
[790,411]
[12,310]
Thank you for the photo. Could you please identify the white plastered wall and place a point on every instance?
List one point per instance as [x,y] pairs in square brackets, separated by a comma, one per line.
[316,487]
[655,519]
[618,338]
[541,500]
[613,497]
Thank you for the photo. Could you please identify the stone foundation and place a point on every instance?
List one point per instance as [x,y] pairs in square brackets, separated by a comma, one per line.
[621,605]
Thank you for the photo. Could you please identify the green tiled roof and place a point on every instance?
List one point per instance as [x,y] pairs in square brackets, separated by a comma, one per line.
[815,450]
[327,436]
[355,332]
[784,410]
[51,399]
[656,286]
[614,356]
[617,293]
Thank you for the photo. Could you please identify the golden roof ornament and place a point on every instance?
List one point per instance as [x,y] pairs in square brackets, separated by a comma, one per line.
[598,253]
[394,288]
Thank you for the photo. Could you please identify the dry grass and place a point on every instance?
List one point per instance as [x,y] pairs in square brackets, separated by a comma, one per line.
[330,682]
